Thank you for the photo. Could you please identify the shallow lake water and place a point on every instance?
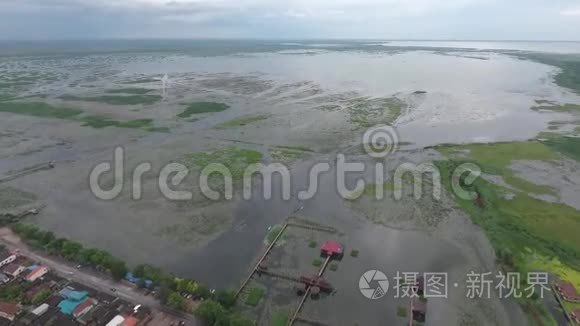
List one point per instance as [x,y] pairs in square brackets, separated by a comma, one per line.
[451,97]
[470,98]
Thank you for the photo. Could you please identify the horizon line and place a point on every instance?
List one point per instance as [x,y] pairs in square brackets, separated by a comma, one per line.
[282,39]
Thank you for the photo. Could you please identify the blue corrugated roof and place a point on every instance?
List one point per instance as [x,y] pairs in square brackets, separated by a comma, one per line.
[131,278]
[70,294]
[67,306]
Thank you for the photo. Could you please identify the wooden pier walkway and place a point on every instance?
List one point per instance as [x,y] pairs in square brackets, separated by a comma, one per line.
[247,280]
[278,275]
[307,293]
[312,227]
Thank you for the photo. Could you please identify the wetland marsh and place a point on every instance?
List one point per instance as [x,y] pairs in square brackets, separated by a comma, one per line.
[512,113]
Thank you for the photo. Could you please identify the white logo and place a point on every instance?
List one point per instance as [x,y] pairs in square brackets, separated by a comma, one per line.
[380,141]
[380,281]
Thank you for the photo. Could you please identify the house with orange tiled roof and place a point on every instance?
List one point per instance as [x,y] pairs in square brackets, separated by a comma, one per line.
[9,310]
[84,307]
[36,273]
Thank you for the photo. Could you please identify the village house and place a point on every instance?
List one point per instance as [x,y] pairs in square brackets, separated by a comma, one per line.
[9,310]
[36,273]
[13,269]
[7,257]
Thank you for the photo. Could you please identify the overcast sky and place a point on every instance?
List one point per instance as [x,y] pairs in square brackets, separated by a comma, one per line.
[291,19]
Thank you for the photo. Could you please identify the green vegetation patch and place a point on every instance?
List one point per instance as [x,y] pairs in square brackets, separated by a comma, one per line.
[202,107]
[496,158]
[537,262]
[6,97]
[317,263]
[169,287]
[12,292]
[274,231]
[289,154]
[548,135]
[571,306]
[43,110]
[283,155]
[255,294]
[242,121]
[569,75]
[521,229]
[312,244]
[39,109]
[116,99]
[522,224]
[41,296]
[366,112]
[158,129]
[211,312]
[333,267]
[545,102]
[279,318]
[97,121]
[354,253]
[10,85]
[11,198]
[130,90]
[70,250]
[558,108]
[402,311]
[569,146]
[235,159]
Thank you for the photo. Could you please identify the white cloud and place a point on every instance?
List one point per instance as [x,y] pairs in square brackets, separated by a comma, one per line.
[571,12]
[478,19]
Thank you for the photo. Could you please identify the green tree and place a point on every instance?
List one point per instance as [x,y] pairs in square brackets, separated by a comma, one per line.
[139,271]
[27,231]
[71,249]
[98,258]
[175,301]
[226,298]
[163,294]
[203,291]
[210,311]
[118,269]
[55,247]
[12,292]
[222,320]
[84,256]
[46,238]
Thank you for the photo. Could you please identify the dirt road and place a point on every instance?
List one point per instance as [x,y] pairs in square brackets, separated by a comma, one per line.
[91,278]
